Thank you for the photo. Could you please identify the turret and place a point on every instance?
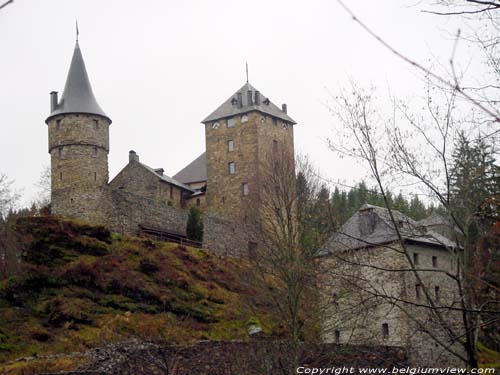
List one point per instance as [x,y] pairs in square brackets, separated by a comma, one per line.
[79,146]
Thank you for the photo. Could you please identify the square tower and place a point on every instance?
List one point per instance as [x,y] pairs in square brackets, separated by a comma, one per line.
[243,137]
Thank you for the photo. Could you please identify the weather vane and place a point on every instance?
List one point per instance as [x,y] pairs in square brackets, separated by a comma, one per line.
[246,64]
[77,30]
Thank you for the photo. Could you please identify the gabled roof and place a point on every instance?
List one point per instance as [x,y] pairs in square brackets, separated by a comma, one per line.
[372,226]
[78,96]
[165,178]
[229,108]
[196,171]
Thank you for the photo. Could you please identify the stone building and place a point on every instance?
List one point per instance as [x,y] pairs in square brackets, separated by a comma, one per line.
[375,292]
[223,181]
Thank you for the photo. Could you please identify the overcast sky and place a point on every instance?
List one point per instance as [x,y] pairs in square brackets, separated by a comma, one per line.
[159,67]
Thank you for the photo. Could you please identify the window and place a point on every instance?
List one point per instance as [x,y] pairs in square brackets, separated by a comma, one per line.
[434,261]
[58,124]
[415,259]
[385,330]
[96,124]
[275,121]
[436,293]
[244,187]
[335,299]
[60,149]
[418,293]
[95,176]
[337,336]
[263,119]
[231,168]
[275,145]
[223,199]
[230,122]
[215,125]
[60,176]
[198,202]
[244,118]
[230,145]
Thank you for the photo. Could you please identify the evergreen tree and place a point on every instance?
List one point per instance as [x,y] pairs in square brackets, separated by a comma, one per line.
[194,228]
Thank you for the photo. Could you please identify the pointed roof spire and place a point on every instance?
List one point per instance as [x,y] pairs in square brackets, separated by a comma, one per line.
[78,96]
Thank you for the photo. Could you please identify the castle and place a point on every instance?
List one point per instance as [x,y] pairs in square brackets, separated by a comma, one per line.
[224,181]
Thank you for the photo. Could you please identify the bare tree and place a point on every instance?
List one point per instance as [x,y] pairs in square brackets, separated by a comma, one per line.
[393,153]
[8,248]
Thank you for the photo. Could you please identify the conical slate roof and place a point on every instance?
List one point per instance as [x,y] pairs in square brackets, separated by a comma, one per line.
[78,96]
[230,107]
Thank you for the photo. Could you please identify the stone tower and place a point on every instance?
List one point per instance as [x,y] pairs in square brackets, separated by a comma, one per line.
[241,137]
[78,146]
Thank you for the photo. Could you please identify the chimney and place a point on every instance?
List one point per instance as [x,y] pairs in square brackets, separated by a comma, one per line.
[249,97]
[53,101]
[284,108]
[240,100]
[132,156]
[159,171]
[257,98]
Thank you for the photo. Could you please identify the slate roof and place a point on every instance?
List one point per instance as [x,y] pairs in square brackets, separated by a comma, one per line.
[165,178]
[228,109]
[195,171]
[437,219]
[78,96]
[372,226]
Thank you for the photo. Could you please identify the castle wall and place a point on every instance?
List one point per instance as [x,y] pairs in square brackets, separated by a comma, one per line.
[129,210]
[225,190]
[78,147]
[363,290]
[137,179]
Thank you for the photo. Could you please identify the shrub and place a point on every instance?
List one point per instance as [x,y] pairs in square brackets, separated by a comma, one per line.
[194,228]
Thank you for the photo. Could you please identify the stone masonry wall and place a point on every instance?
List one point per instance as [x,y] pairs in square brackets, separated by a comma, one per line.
[234,357]
[79,145]
[137,179]
[368,287]
[129,210]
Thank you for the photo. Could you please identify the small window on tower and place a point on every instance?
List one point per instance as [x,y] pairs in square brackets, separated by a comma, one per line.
[95,176]
[337,337]
[437,293]
[415,259]
[60,149]
[275,145]
[434,261]
[198,202]
[232,169]
[60,176]
[245,189]
[275,121]
[385,330]
[418,292]
[96,124]
[58,124]
[223,199]
[230,145]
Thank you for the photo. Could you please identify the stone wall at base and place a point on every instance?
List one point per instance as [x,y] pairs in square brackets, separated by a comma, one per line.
[130,210]
[235,357]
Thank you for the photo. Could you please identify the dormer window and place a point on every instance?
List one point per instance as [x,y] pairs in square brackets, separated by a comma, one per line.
[275,121]
[234,101]
[285,125]
[266,101]
[215,125]
[244,118]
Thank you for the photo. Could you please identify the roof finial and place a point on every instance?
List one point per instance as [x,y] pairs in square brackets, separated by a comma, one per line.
[247,70]
[77,31]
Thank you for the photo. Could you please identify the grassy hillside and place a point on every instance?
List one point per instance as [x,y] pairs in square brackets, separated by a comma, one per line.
[81,286]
